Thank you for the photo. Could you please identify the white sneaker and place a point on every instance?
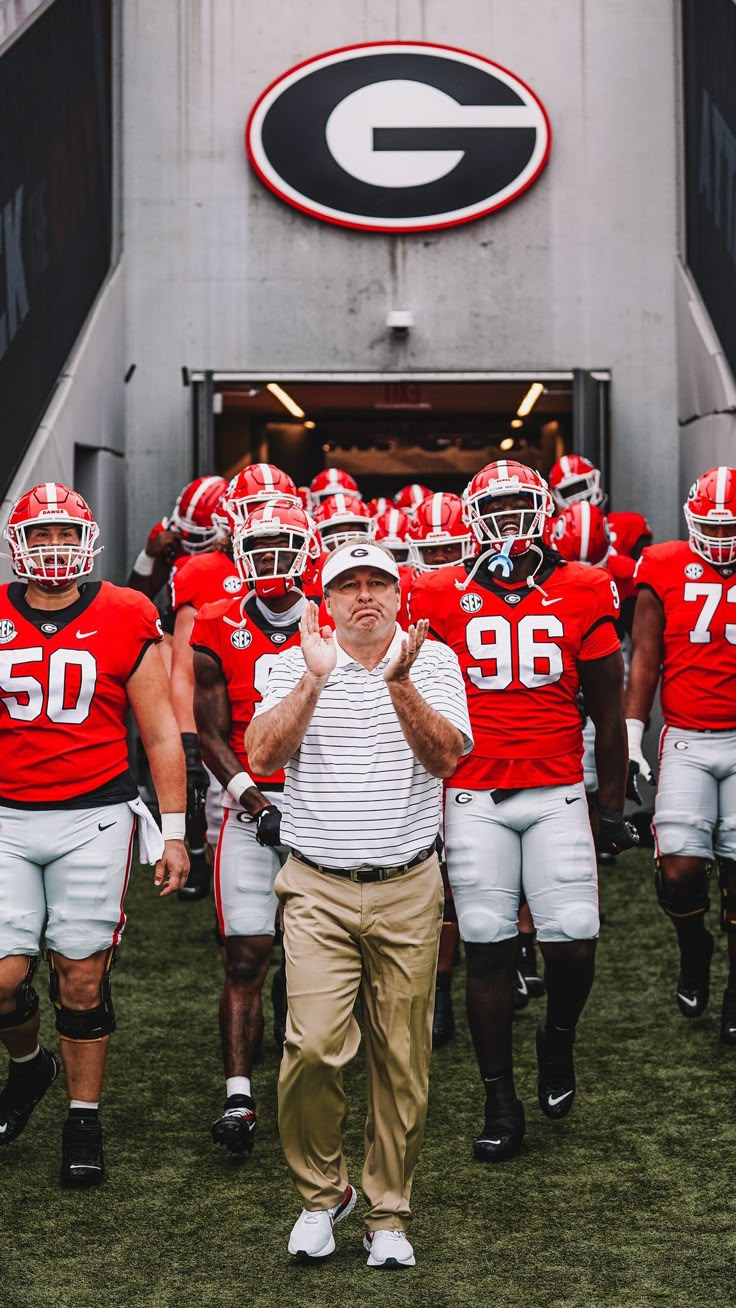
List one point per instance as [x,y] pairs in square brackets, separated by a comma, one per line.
[389,1249]
[311,1235]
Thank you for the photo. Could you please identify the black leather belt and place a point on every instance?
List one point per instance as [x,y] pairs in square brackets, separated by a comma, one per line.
[366,872]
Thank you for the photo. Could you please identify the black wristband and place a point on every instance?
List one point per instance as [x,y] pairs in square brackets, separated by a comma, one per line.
[611,815]
[190,745]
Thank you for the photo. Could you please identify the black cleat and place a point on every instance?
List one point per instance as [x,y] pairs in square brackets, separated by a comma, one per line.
[25,1087]
[728,1018]
[693,983]
[443,1023]
[82,1163]
[520,995]
[503,1130]
[527,964]
[198,881]
[556,1081]
[236,1129]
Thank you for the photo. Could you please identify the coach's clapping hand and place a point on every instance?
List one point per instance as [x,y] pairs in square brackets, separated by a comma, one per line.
[318,645]
[400,666]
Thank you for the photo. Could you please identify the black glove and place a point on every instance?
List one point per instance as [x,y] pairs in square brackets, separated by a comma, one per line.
[268,826]
[615,834]
[197,786]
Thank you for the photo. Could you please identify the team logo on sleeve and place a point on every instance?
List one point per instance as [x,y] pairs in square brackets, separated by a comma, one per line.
[471,603]
[232,584]
[7,631]
[693,571]
[241,638]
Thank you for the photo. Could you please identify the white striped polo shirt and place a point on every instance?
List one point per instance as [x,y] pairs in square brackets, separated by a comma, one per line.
[355,793]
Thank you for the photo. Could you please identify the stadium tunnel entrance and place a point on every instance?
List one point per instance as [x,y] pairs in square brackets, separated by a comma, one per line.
[390,429]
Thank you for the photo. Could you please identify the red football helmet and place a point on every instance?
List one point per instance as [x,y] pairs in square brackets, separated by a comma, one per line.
[274,546]
[331,481]
[573,478]
[391,527]
[194,518]
[627,530]
[254,485]
[710,513]
[410,497]
[522,526]
[379,506]
[341,518]
[581,534]
[439,522]
[48,504]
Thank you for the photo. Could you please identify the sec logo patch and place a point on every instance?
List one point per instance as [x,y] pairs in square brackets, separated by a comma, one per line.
[7,631]
[241,638]
[232,585]
[693,571]
[471,603]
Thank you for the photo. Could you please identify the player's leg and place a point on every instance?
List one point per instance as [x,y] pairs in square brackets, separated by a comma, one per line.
[526,960]
[725,845]
[484,864]
[685,816]
[560,881]
[246,904]
[85,886]
[31,1068]
[443,1023]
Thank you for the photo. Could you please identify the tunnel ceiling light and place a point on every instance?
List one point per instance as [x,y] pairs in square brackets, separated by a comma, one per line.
[284,398]
[507,443]
[309,425]
[529,400]
[517,422]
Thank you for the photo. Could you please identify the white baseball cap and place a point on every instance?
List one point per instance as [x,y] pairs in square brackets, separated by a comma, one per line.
[358,556]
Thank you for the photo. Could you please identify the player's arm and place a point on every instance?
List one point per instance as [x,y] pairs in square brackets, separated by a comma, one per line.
[182,669]
[213,716]
[151,568]
[602,683]
[647,648]
[150,700]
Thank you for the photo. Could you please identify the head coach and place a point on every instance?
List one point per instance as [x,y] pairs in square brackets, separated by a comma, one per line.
[366,724]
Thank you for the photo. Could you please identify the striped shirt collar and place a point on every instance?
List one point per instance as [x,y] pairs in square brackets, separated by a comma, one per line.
[343,658]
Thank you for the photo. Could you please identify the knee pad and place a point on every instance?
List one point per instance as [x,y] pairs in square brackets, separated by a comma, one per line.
[26,1001]
[684,898]
[88,1024]
[480,926]
[727,883]
[578,921]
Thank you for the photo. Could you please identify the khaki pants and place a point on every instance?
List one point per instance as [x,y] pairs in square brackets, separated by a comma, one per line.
[341,938]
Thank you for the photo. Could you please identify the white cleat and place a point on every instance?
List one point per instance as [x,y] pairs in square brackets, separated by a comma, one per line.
[389,1249]
[311,1235]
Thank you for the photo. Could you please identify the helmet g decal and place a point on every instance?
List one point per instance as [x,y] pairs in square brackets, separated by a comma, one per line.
[398,136]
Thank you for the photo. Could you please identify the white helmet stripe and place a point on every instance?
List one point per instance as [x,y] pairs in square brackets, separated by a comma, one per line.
[436,512]
[721,477]
[502,466]
[584,530]
[51,494]
[206,483]
[268,478]
[565,465]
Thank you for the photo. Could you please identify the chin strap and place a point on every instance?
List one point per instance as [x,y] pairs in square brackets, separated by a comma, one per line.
[501,562]
[504,563]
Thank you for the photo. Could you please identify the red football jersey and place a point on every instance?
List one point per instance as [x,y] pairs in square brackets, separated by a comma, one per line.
[245,653]
[63,673]
[406,581]
[699,664]
[518,647]
[622,569]
[199,579]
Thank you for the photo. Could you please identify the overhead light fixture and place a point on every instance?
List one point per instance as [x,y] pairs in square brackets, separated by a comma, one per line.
[517,422]
[530,399]
[506,444]
[309,425]
[284,398]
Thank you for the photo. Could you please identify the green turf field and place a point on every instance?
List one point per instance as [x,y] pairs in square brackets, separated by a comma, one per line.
[628,1202]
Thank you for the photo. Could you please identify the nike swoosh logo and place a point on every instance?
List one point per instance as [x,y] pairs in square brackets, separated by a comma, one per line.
[546,603]
[574,800]
[486,1140]
[3,1128]
[559,1098]
[82,635]
[691,1003]
[106,826]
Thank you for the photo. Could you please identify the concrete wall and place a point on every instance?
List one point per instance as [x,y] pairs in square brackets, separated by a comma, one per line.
[81,439]
[579,272]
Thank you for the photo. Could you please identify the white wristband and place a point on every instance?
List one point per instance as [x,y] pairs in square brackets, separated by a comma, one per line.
[237,784]
[144,564]
[173,826]
[635,732]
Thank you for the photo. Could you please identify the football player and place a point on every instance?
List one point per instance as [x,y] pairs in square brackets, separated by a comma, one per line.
[191,529]
[574,478]
[390,527]
[529,630]
[74,655]
[341,518]
[331,481]
[201,580]
[410,497]
[685,631]
[235,642]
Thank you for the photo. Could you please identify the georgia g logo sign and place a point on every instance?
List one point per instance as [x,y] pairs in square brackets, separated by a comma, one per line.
[398,137]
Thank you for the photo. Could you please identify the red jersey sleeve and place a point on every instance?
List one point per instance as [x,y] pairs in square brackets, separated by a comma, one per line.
[600,637]
[207,629]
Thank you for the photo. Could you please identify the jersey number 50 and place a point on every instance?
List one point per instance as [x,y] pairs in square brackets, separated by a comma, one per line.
[23,696]
[539,662]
